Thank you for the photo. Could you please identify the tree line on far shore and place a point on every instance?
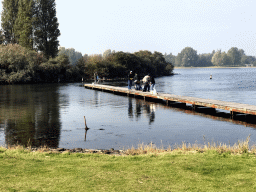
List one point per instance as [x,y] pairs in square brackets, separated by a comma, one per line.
[22,65]
[188,57]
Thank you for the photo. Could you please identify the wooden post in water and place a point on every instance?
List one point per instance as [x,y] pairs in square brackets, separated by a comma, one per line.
[86,128]
[85,122]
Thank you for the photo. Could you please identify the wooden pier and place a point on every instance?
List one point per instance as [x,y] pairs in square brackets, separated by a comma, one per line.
[234,108]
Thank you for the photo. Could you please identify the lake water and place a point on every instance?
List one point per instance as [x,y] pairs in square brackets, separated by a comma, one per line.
[53,114]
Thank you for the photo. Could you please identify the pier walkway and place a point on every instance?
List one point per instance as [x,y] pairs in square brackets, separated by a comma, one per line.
[234,108]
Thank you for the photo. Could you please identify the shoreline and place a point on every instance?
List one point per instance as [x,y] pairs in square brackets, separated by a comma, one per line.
[238,148]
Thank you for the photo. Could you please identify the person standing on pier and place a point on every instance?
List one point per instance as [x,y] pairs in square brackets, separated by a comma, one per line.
[137,82]
[146,81]
[152,83]
[130,79]
[96,77]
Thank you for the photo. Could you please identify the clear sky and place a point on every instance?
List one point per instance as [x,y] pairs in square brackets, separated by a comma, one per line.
[93,26]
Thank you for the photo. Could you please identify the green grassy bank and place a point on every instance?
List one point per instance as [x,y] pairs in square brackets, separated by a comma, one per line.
[186,168]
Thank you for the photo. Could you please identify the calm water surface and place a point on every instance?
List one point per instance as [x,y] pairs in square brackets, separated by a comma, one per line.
[53,114]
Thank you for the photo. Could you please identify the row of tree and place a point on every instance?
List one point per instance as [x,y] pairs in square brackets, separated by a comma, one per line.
[118,64]
[32,24]
[188,57]
[22,65]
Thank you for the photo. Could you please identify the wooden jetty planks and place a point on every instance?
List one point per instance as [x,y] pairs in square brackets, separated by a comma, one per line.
[216,104]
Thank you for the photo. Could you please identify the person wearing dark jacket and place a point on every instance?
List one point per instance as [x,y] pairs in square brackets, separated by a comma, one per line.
[137,82]
[130,79]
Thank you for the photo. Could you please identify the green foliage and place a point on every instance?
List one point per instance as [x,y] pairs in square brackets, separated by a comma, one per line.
[107,53]
[14,58]
[21,76]
[8,18]
[1,37]
[117,64]
[128,61]
[23,24]
[204,60]
[216,58]
[55,69]
[232,58]
[235,56]
[225,59]
[72,54]
[153,63]
[169,68]
[170,58]
[31,23]
[247,59]
[187,58]
[46,28]
[18,64]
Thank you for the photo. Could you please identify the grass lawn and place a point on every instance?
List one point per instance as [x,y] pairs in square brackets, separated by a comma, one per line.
[23,170]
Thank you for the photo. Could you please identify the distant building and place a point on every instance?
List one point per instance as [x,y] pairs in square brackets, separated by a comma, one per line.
[249,65]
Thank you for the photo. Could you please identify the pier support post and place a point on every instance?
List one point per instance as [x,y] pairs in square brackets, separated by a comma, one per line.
[233,114]
[194,107]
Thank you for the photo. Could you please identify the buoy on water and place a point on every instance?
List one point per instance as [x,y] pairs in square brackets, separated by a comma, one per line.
[210,76]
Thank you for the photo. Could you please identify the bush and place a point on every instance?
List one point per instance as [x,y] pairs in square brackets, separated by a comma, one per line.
[55,69]
[18,64]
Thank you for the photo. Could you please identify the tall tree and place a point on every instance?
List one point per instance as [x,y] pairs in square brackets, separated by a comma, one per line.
[225,59]
[204,60]
[72,54]
[159,63]
[107,53]
[169,58]
[24,23]
[46,28]
[216,58]
[187,57]
[247,59]
[235,56]
[8,18]
[1,37]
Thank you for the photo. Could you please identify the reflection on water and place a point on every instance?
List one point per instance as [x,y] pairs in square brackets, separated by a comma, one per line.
[141,107]
[30,115]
